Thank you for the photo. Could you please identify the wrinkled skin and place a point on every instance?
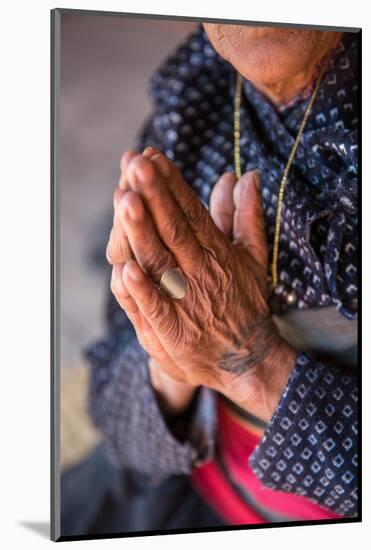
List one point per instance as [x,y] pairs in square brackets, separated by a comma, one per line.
[220,334]
[279,61]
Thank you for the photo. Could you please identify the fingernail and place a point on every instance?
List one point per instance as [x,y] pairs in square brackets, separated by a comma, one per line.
[134,273]
[257,179]
[122,181]
[148,151]
[119,193]
[131,212]
[116,272]
[135,212]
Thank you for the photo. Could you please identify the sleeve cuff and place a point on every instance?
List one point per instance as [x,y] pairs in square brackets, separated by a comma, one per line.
[137,435]
[310,446]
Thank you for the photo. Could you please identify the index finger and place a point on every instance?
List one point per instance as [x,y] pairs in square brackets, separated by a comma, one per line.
[168,219]
[196,214]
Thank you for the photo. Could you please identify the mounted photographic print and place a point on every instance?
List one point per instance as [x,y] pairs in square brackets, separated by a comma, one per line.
[205,260]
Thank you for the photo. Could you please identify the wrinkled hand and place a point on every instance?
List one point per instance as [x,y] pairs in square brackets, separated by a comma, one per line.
[220,334]
[118,253]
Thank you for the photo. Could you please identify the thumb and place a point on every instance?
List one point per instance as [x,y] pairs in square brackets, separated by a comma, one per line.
[221,203]
[248,220]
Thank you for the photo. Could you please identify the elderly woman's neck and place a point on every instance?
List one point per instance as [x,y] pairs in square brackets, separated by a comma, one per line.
[283,91]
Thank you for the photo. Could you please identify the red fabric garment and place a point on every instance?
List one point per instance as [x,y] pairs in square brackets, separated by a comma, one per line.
[235,444]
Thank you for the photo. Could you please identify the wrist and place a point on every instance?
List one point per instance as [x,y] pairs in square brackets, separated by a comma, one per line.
[272,378]
[260,390]
[173,396]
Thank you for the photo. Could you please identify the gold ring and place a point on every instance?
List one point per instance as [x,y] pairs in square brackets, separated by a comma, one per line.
[173,283]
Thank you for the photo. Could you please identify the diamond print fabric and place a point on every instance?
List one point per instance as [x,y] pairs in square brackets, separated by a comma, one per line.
[127,412]
[310,446]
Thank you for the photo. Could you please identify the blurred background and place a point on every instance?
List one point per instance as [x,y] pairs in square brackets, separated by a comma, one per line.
[106,63]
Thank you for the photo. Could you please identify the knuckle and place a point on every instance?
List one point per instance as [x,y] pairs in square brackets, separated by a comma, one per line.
[156,262]
[196,213]
[112,252]
[154,306]
[118,248]
[163,164]
[109,257]
[125,158]
[144,170]
[124,250]
[163,263]
[117,195]
[113,287]
[176,234]
[149,257]
[165,321]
